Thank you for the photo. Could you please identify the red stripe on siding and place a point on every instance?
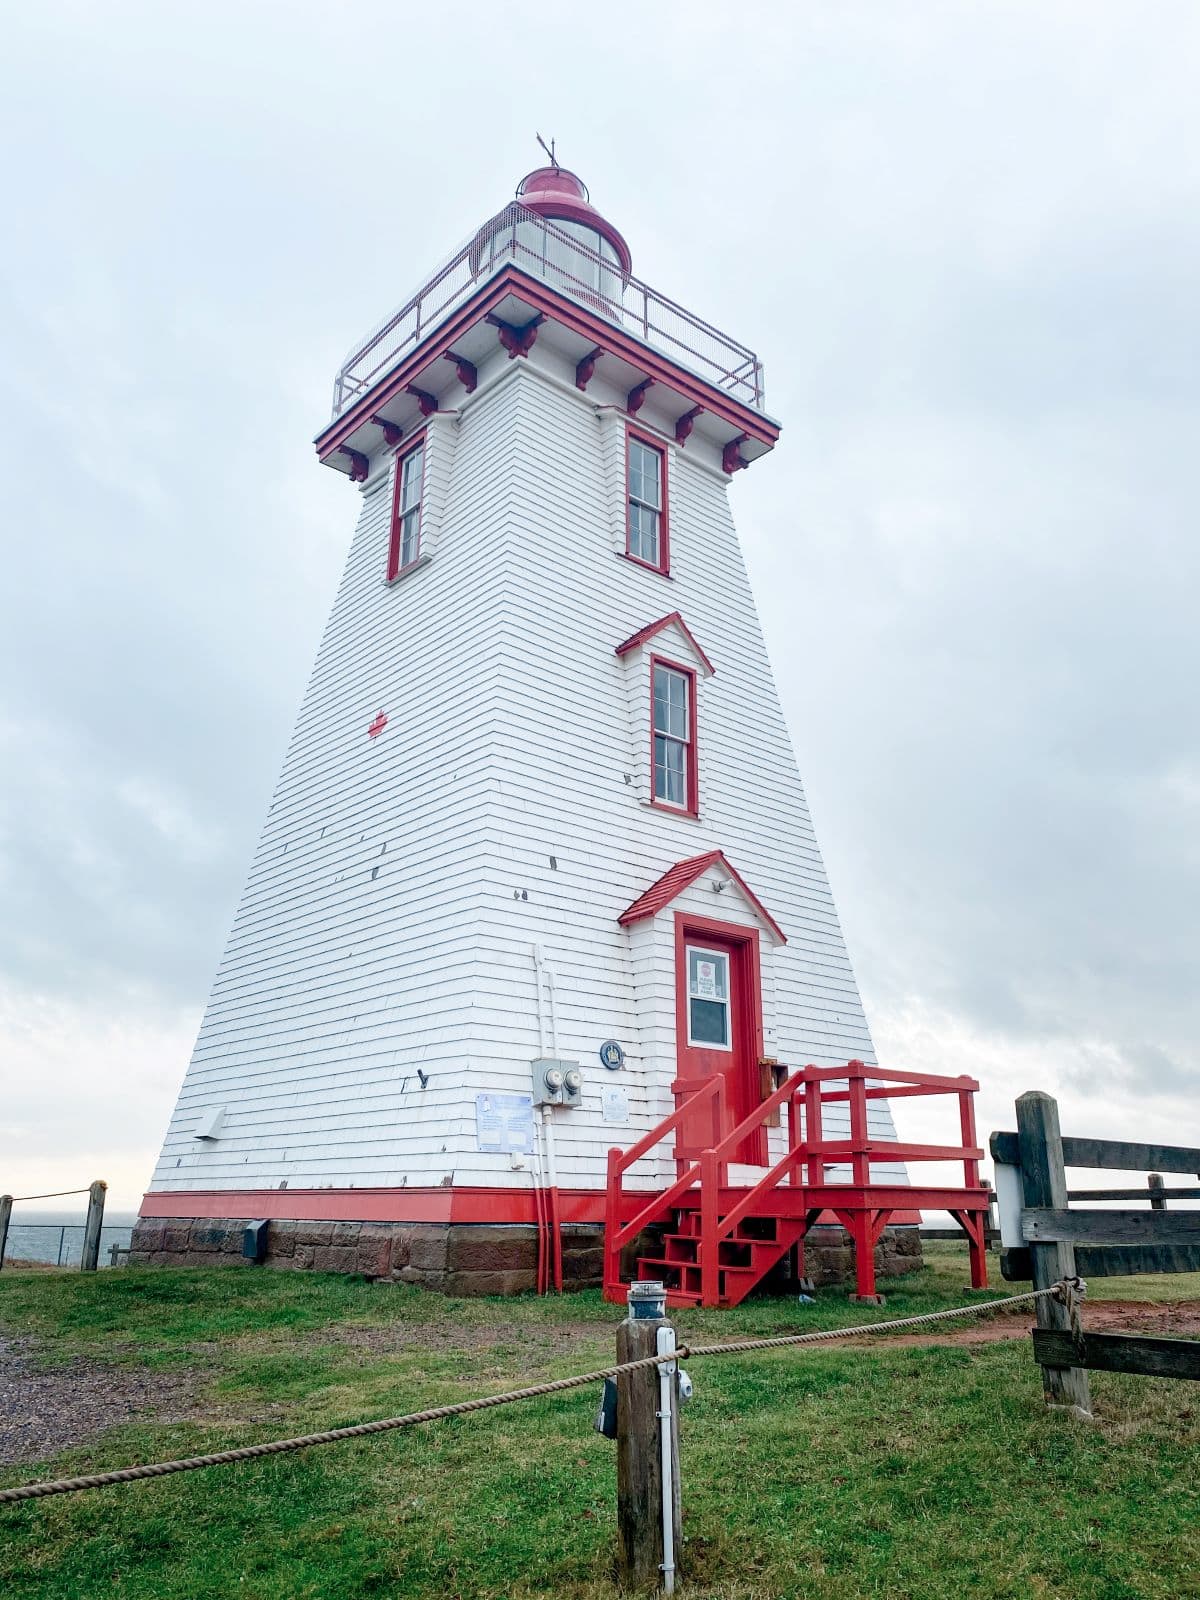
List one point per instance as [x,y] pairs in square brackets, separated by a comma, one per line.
[460,1204]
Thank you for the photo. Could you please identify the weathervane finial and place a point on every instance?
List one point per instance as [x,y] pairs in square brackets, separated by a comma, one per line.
[548,148]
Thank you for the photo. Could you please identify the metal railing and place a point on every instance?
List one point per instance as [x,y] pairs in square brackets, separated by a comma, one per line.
[522,238]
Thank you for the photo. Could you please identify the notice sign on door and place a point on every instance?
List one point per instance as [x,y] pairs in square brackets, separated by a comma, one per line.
[504,1123]
[706,980]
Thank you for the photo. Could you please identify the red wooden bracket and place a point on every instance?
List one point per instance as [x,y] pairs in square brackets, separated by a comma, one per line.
[686,423]
[636,397]
[359,465]
[377,727]
[392,431]
[467,372]
[732,459]
[585,369]
[426,401]
[517,341]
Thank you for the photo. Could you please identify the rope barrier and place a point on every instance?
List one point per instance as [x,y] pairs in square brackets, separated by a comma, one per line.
[362,1430]
[59,1194]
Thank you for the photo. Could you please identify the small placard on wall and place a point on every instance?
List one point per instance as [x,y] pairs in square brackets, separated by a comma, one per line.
[504,1123]
[614,1103]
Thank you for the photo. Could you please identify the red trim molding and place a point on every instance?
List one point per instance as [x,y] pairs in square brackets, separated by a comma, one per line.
[460,1203]
[651,442]
[415,442]
[691,808]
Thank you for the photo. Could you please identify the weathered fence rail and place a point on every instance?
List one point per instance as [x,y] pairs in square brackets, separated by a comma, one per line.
[92,1227]
[1046,1240]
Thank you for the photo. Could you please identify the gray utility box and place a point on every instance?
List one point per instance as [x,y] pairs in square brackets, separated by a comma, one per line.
[556,1083]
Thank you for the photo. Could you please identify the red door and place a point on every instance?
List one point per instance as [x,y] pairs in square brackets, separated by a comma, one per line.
[718,1011]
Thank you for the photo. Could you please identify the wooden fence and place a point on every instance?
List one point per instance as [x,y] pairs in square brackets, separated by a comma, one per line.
[1045,1240]
[93,1224]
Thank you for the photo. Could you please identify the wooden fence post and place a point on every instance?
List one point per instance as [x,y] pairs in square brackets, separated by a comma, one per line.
[639,1447]
[6,1204]
[1044,1184]
[90,1259]
[1157,1198]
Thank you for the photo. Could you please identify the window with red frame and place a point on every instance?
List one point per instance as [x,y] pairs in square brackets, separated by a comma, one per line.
[673,736]
[406,510]
[646,526]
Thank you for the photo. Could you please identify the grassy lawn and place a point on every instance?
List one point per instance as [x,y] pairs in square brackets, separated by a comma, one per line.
[886,1471]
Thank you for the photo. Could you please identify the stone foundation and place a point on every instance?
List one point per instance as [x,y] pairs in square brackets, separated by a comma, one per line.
[460,1258]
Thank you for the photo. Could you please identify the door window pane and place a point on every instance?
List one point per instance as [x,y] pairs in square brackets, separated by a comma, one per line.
[708,998]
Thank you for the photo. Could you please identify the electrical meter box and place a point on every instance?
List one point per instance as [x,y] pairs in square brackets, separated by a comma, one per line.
[556,1083]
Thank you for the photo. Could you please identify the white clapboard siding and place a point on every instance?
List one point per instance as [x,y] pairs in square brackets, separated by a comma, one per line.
[402,883]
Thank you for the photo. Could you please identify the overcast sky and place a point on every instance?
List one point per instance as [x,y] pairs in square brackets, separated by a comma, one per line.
[965,239]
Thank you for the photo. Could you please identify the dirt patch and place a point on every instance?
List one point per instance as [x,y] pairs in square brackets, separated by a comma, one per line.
[1100,1316]
[44,1410]
[536,1343]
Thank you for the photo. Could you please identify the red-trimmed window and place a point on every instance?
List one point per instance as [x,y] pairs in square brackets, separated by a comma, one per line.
[674,779]
[405,547]
[646,532]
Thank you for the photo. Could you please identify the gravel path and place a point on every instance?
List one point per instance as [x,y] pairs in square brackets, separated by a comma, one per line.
[44,1410]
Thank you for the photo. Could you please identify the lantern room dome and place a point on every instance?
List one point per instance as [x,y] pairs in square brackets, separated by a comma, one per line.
[560,195]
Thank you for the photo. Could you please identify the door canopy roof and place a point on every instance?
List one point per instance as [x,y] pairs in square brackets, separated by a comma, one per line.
[676,879]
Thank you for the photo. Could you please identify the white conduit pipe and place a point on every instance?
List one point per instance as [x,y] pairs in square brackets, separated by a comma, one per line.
[666,1411]
[538,1175]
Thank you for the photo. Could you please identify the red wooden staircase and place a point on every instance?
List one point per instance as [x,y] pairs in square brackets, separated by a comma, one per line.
[720,1240]
[744,1256]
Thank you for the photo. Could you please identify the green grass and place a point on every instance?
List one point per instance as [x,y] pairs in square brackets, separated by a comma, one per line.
[829,1473]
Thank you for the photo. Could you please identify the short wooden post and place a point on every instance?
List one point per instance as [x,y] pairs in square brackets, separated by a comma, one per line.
[1158,1201]
[90,1259]
[1044,1184]
[639,1446]
[6,1204]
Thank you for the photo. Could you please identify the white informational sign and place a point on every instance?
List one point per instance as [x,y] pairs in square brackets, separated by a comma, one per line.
[614,1103]
[504,1123]
[706,980]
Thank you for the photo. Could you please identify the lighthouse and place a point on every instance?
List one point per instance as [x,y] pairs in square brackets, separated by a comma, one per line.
[538,872]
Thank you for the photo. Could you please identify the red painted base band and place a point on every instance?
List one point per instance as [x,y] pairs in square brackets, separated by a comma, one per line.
[459,1204]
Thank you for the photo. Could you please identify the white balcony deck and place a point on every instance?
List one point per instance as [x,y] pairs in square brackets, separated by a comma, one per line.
[547,251]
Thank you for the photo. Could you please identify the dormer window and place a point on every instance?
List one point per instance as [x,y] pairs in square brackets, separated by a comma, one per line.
[663,663]
[673,724]
[646,538]
[405,548]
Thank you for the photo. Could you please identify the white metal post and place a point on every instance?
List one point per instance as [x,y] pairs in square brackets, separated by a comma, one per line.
[666,1418]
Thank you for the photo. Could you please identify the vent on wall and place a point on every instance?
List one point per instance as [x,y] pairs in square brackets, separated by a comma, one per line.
[209,1126]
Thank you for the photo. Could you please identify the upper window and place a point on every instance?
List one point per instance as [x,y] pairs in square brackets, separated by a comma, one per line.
[673,722]
[406,510]
[646,470]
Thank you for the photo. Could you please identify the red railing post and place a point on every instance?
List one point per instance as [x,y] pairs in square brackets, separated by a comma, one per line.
[795,1176]
[612,1224]
[966,1115]
[709,1243]
[813,1131]
[719,1120]
[859,1160]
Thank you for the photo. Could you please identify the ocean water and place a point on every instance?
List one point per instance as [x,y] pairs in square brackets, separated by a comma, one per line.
[56,1237]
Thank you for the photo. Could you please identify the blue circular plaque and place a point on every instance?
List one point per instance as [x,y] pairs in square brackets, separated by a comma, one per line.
[611,1055]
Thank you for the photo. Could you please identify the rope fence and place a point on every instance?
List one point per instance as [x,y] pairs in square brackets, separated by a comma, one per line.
[1067,1289]
[59,1194]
